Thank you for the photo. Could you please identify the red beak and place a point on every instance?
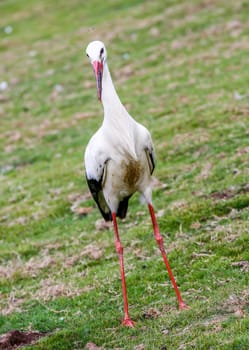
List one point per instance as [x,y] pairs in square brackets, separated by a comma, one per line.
[98,71]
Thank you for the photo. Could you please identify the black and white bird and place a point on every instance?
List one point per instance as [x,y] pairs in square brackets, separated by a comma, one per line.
[119,161]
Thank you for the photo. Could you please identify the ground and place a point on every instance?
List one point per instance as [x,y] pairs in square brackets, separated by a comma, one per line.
[180,68]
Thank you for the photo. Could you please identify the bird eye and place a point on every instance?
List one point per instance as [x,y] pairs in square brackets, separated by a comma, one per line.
[101,51]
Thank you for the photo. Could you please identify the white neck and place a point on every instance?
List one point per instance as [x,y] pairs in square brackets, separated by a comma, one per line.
[110,100]
[117,121]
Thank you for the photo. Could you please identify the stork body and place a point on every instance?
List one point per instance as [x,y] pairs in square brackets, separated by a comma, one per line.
[119,161]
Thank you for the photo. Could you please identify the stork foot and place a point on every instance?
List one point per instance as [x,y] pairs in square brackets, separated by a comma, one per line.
[183,306]
[128,322]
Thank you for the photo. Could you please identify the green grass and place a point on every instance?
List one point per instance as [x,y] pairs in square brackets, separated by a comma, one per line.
[181,69]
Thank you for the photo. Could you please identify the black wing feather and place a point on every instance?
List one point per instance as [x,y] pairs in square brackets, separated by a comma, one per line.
[151,159]
[97,193]
[123,206]
[96,189]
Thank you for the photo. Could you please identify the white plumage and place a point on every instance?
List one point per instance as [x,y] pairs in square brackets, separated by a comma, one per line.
[119,160]
[119,147]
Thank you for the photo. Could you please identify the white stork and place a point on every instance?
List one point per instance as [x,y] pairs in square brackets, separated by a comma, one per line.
[119,160]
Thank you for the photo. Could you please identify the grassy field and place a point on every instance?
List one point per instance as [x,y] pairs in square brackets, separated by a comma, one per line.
[181,69]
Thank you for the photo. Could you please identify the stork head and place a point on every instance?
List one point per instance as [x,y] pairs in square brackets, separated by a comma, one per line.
[97,54]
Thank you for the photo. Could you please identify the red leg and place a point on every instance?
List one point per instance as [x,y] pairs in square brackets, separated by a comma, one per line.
[159,240]
[127,321]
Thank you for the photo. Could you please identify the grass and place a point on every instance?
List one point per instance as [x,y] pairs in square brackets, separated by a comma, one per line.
[180,68]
